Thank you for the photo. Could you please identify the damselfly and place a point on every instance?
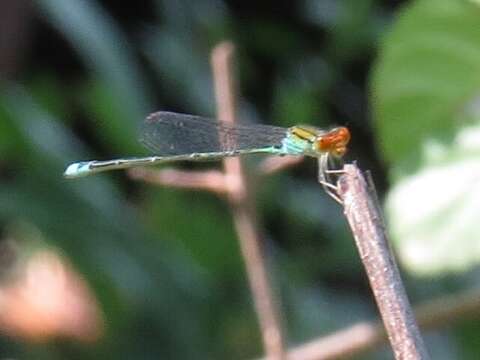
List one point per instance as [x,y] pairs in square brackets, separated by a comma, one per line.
[176,137]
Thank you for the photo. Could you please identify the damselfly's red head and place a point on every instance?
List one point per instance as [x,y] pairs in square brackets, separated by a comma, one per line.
[334,141]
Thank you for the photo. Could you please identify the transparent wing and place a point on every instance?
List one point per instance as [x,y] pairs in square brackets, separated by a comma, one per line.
[167,133]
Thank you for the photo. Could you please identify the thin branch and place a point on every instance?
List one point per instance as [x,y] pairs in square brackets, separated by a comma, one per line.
[344,343]
[361,337]
[448,309]
[362,212]
[274,164]
[243,209]
[210,180]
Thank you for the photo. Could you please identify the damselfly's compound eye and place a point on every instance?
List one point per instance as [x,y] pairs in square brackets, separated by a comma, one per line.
[334,142]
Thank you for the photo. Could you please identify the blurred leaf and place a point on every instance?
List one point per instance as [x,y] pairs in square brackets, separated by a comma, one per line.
[425,98]
[202,225]
[300,92]
[179,50]
[107,52]
[102,105]
[101,233]
[183,70]
[45,137]
[352,25]
[316,231]
[48,91]
[325,13]
[467,335]
[270,38]
[427,72]
[434,213]
[317,311]
[183,15]
[10,143]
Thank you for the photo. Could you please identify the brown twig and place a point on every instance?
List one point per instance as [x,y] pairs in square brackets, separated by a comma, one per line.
[243,209]
[274,164]
[363,215]
[210,180]
[342,344]
[364,336]
[447,309]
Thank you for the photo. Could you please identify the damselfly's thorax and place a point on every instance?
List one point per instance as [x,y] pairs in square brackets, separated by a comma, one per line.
[312,141]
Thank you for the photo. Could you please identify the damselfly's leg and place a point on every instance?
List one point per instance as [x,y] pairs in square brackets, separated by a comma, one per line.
[325,179]
[335,172]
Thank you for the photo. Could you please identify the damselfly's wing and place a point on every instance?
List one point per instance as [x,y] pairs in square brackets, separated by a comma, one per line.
[167,133]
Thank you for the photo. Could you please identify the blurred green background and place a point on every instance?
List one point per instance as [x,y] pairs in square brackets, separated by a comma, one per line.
[78,77]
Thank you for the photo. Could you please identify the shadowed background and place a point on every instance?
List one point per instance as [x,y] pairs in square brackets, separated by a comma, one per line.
[158,270]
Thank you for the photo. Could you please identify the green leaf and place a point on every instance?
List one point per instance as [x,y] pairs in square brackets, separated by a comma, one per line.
[425,101]
[434,213]
[428,70]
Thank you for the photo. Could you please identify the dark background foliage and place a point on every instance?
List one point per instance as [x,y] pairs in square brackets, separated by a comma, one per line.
[164,264]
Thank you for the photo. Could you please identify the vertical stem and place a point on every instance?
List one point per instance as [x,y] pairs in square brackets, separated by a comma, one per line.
[360,208]
[243,209]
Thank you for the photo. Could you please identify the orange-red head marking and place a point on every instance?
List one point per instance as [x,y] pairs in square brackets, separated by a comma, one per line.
[334,142]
